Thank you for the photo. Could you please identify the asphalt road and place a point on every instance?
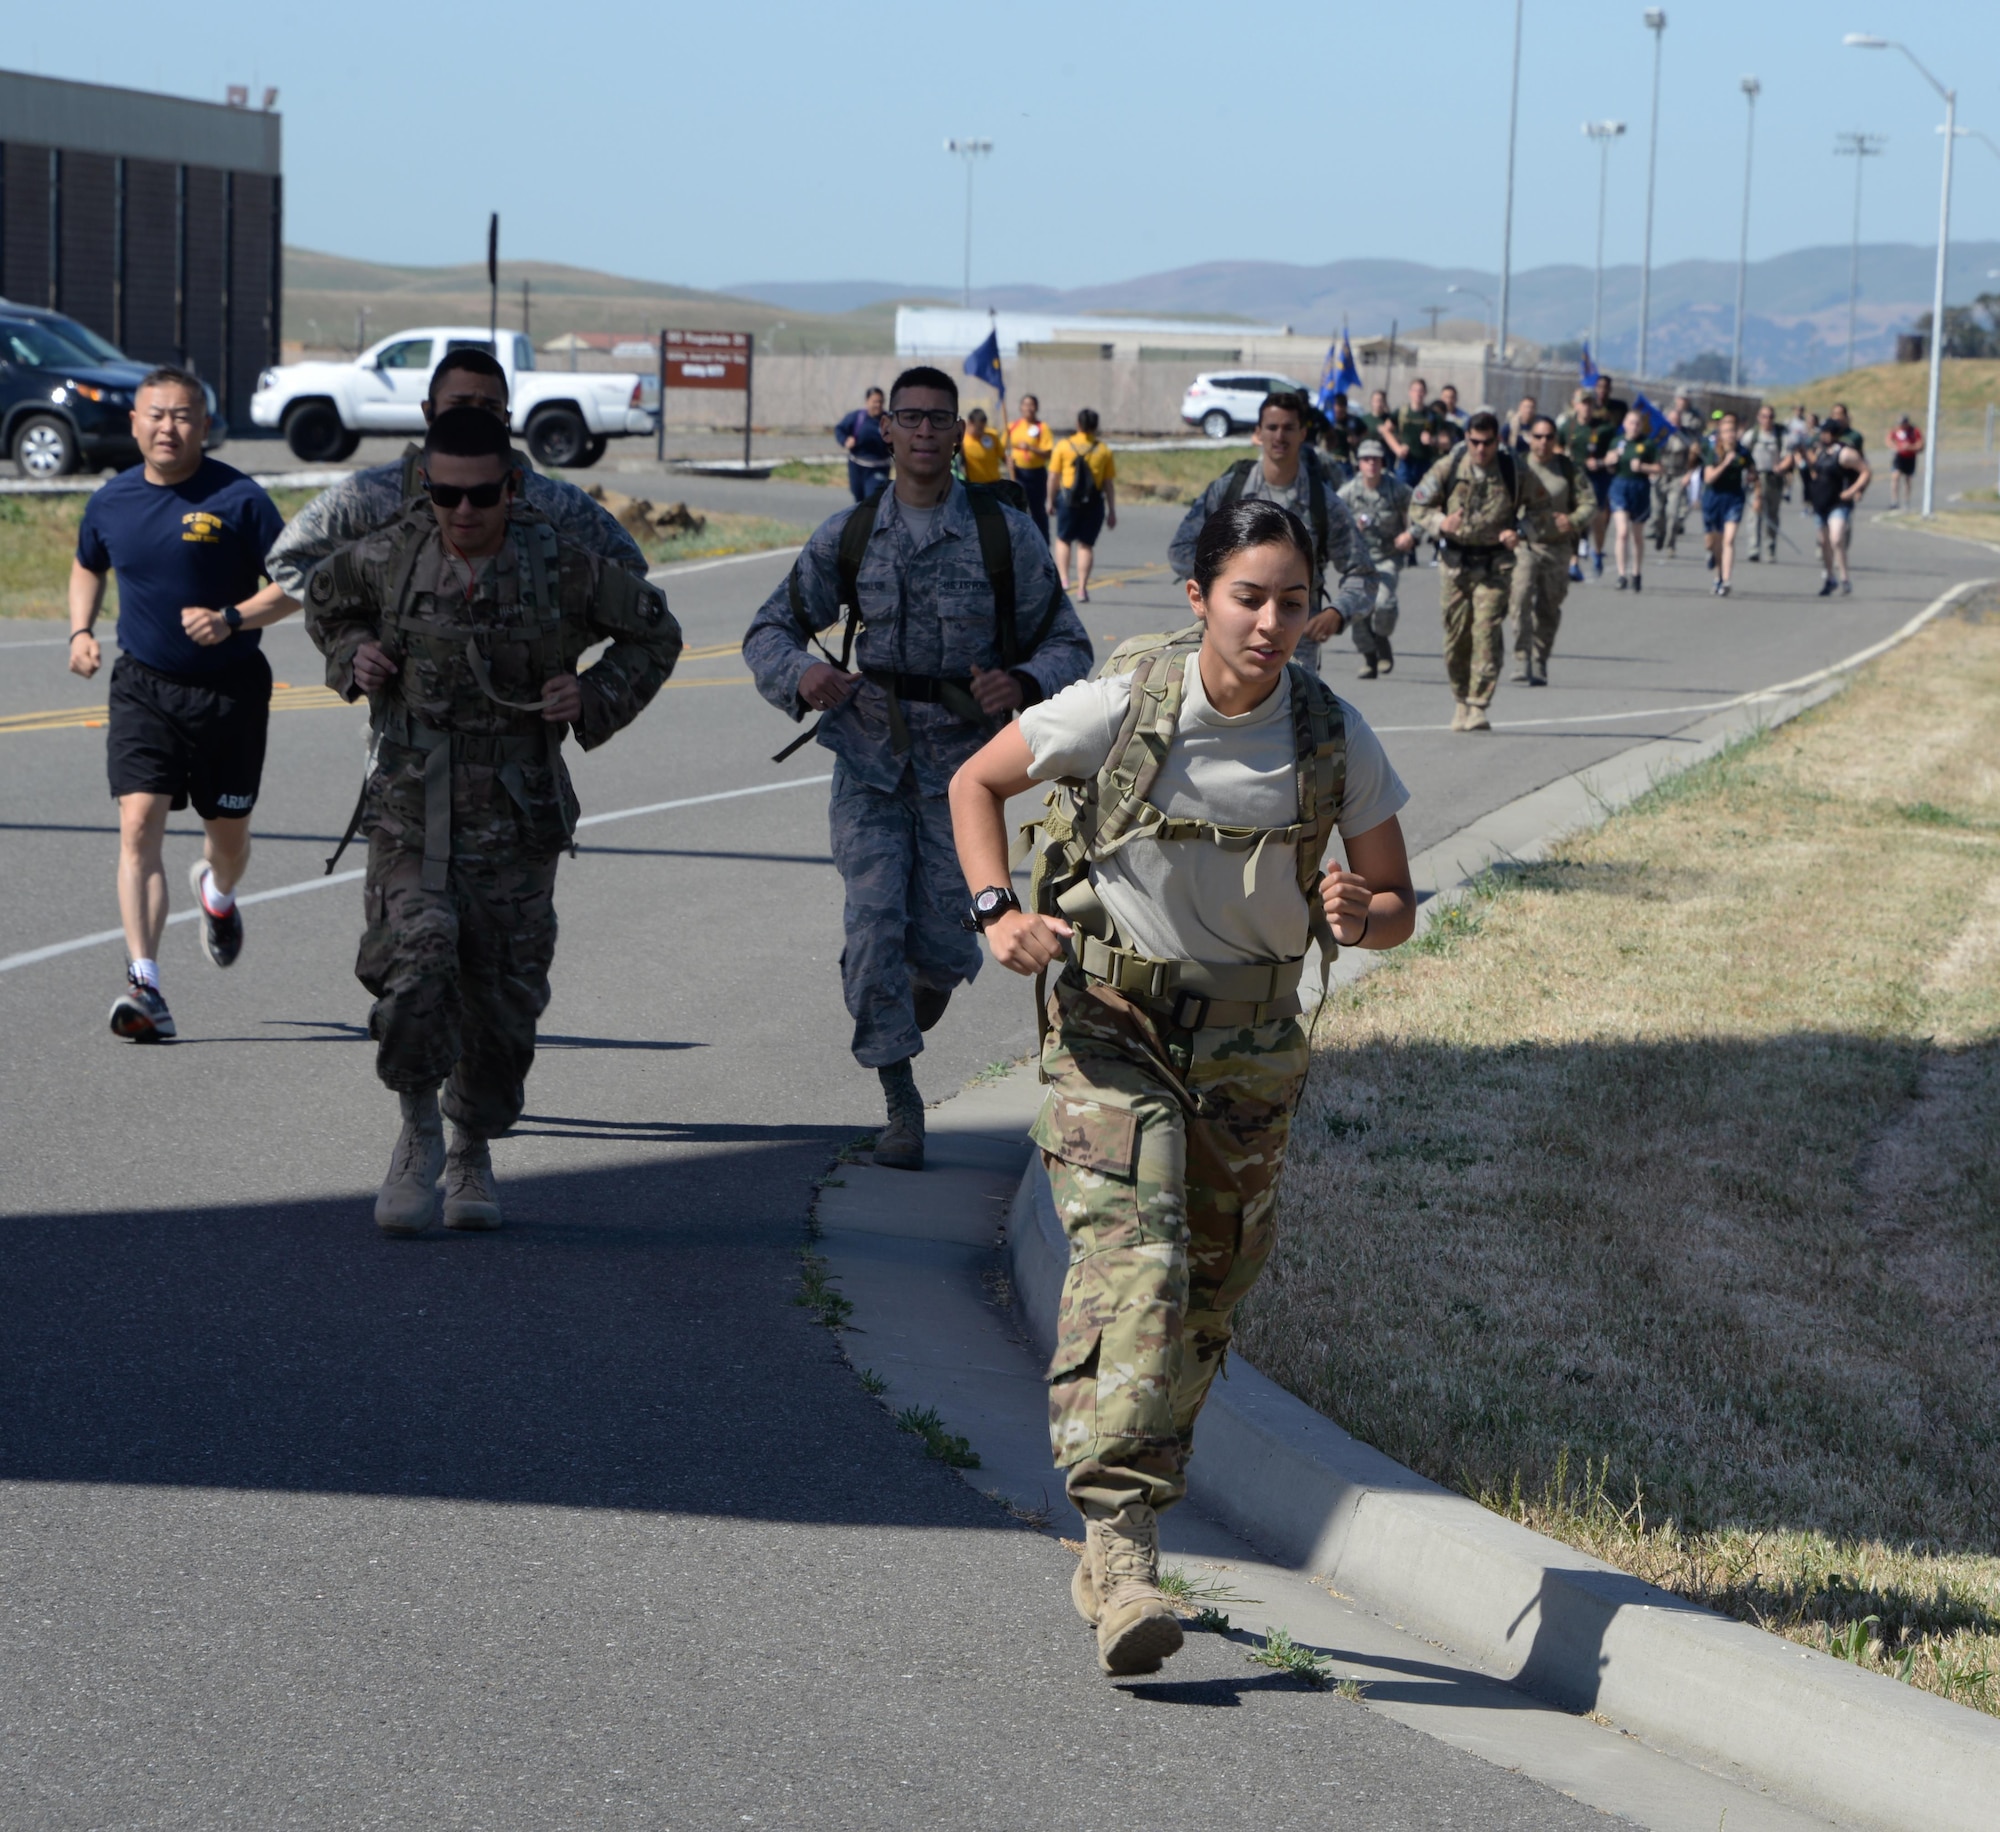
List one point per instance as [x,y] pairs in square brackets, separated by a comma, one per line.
[586,1524]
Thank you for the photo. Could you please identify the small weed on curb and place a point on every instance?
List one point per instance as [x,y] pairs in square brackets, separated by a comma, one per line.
[1211,1619]
[1284,1655]
[816,1292]
[948,1447]
[1188,1593]
[871,1382]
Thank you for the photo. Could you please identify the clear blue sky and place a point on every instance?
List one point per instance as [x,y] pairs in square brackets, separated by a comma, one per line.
[778,140]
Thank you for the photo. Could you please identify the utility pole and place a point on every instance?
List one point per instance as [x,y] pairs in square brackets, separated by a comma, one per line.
[1867,41]
[1656,23]
[1436,312]
[527,330]
[1507,221]
[971,151]
[1603,132]
[493,282]
[1860,148]
[1751,89]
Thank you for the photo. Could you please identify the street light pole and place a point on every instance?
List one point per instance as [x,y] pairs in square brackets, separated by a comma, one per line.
[1603,132]
[1656,23]
[1864,41]
[1751,88]
[971,151]
[1861,148]
[1507,221]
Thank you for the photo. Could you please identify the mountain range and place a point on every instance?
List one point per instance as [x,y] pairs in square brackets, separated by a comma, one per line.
[1795,321]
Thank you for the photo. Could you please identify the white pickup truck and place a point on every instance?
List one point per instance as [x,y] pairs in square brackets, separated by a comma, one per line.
[565,417]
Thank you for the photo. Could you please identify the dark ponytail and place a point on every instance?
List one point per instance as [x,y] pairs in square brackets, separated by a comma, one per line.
[1254,522]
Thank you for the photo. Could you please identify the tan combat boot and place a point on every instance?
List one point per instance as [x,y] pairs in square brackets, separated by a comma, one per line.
[1458,712]
[1476,719]
[407,1200]
[1136,1627]
[470,1200]
[1084,1583]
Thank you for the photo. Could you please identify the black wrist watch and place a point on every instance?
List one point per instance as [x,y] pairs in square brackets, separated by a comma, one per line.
[987,905]
[232,615]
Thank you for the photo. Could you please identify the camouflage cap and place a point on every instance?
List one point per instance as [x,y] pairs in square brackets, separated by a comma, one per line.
[1371,448]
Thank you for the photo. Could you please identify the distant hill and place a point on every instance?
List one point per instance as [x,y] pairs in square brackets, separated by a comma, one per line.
[1795,325]
[325,294]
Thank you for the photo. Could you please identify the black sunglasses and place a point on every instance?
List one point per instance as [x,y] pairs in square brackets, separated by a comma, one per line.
[938,419]
[479,495]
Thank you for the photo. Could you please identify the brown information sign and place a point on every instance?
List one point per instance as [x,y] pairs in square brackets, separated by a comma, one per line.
[705,359]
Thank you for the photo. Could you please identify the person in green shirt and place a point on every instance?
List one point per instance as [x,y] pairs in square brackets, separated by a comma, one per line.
[1632,460]
[1725,474]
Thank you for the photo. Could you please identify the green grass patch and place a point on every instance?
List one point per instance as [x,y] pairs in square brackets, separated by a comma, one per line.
[1282,1654]
[946,1446]
[816,1292]
[723,535]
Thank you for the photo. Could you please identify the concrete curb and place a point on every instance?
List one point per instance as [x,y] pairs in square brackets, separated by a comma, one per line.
[1852,1745]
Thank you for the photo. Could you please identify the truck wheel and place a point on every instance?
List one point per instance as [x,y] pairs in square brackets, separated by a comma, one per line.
[44,447]
[592,451]
[314,432]
[1215,423]
[350,443]
[557,436]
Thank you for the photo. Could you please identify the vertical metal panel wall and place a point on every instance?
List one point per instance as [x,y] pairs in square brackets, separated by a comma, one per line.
[172,262]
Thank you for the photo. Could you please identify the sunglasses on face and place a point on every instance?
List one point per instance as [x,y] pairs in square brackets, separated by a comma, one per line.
[938,419]
[479,495]
[1481,441]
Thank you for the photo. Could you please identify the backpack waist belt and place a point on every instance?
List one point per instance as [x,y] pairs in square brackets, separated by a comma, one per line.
[1194,995]
[441,750]
[1458,550]
[953,694]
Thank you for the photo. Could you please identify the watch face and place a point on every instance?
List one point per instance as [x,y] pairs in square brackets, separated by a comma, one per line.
[987,902]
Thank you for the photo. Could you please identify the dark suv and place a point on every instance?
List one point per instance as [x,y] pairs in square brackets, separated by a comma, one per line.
[66,396]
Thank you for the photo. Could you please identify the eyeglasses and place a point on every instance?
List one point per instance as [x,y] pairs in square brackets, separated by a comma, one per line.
[938,419]
[479,495]
[446,403]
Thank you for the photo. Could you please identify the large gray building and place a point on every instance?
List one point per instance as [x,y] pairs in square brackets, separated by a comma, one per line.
[156,221]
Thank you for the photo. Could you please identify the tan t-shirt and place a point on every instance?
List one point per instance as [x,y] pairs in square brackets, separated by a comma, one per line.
[1183,899]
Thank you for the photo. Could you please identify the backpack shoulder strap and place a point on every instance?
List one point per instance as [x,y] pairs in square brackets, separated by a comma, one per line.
[1319,739]
[996,551]
[1316,502]
[854,535]
[1237,479]
[1508,475]
[1132,766]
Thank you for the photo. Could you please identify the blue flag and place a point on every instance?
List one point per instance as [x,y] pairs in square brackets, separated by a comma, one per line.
[1655,419]
[983,365]
[1338,373]
[1587,370]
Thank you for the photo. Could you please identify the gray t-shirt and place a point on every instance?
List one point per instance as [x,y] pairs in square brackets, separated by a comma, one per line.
[919,521]
[1184,899]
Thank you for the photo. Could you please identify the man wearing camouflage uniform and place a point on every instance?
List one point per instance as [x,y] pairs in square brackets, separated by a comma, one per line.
[1548,550]
[375,497]
[1470,502]
[463,622]
[952,640]
[1295,477]
[1379,501]
[1680,452]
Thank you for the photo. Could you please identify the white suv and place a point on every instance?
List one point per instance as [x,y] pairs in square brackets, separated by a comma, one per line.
[1227,401]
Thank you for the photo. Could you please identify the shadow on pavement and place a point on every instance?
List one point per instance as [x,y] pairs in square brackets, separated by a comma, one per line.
[630,1340]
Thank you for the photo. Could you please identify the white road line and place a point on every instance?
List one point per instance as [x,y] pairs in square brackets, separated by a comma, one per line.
[105,936]
[37,642]
[661,574]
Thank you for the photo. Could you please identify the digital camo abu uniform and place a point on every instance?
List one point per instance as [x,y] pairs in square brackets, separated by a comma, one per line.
[1478,567]
[1314,497]
[1542,562]
[373,498]
[467,803]
[1185,848]
[1380,515]
[929,612]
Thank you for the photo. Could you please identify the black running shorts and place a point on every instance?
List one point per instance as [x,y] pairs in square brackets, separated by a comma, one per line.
[195,741]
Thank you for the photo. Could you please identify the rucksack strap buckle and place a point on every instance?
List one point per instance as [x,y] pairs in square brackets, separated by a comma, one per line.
[1190,1010]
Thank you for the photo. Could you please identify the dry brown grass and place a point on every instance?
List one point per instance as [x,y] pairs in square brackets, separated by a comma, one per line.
[1679,1156]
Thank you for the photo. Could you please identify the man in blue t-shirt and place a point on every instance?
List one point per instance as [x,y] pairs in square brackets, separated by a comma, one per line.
[191,692]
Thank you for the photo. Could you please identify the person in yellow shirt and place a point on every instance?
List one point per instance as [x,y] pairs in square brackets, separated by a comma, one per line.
[1028,447]
[1084,496]
[980,449]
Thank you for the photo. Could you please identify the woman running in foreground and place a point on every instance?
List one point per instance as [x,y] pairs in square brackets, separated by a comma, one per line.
[1199,784]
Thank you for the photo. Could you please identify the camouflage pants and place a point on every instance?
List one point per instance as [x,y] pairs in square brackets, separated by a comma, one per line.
[1170,1217]
[1541,583]
[905,895]
[1379,625]
[1475,614]
[459,976]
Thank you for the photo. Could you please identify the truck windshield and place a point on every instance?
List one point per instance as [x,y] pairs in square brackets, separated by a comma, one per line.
[524,353]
